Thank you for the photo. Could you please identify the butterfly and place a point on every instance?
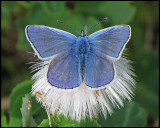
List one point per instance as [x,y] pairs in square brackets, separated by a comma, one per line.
[74,60]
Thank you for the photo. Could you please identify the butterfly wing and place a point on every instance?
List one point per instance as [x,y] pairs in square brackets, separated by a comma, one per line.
[99,71]
[47,41]
[64,71]
[111,41]
[105,44]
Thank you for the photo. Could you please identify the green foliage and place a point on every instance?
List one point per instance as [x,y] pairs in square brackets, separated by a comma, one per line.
[142,16]
[18,106]
[148,87]
[52,10]
[5,19]
[3,119]
[132,115]
[61,121]
[117,12]
[16,102]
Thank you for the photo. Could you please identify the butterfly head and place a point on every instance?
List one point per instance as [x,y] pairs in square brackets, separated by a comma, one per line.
[83,34]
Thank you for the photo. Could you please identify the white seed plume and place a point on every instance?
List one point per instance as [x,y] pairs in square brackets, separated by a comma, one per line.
[84,101]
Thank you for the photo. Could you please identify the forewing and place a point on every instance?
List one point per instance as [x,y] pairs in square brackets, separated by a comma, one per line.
[98,71]
[111,41]
[64,71]
[47,41]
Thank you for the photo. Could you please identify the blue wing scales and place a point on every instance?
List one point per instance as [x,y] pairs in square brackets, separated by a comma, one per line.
[47,41]
[64,71]
[99,71]
[111,41]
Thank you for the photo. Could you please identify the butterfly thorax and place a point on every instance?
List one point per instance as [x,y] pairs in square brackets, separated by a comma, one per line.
[83,45]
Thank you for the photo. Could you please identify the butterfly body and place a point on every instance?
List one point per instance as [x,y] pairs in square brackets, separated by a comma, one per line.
[81,48]
[80,59]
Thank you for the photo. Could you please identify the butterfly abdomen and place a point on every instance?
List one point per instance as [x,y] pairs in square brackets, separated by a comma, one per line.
[82,48]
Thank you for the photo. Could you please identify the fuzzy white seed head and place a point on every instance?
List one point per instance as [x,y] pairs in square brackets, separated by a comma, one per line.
[84,101]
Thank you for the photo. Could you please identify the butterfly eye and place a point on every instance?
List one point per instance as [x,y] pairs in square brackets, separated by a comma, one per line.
[82,35]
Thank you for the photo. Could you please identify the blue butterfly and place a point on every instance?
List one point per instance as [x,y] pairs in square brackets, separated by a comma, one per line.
[87,59]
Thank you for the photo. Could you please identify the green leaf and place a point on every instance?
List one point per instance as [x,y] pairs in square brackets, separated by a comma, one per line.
[53,7]
[132,115]
[148,99]
[26,111]
[138,35]
[45,123]
[3,119]
[61,121]
[36,106]
[41,116]
[147,94]
[88,7]
[16,102]
[118,12]
[38,111]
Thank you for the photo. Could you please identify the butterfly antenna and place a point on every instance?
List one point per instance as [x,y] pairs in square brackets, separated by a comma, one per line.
[85,30]
[97,24]
[68,26]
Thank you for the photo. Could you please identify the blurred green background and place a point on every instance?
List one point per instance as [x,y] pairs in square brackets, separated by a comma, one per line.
[143,48]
